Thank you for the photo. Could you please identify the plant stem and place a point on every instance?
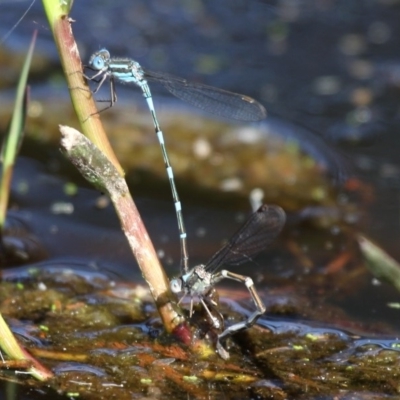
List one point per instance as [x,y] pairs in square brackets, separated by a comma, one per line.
[81,96]
[15,351]
[97,169]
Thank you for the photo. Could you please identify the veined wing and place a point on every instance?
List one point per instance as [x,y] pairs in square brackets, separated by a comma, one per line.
[208,98]
[258,231]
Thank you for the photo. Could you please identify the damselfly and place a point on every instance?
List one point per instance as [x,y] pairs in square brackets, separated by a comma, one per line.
[217,101]
[258,231]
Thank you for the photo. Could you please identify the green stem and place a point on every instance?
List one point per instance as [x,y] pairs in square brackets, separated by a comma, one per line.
[82,99]
[16,352]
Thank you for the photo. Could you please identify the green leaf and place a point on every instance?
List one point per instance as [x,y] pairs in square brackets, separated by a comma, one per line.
[13,138]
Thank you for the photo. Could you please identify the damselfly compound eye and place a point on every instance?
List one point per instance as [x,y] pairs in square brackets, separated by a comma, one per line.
[105,54]
[98,63]
[176,285]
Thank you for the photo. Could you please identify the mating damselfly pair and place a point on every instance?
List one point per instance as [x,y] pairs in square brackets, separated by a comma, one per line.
[260,229]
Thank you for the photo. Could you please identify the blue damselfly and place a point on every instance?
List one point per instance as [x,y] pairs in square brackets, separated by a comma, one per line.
[217,101]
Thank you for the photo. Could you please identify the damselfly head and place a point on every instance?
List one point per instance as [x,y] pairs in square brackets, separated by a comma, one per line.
[99,59]
[176,285]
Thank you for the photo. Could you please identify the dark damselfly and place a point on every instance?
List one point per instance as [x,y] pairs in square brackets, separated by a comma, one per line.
[258,231]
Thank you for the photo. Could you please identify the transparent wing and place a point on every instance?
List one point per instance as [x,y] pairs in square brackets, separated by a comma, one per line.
[211,99]
[257,232]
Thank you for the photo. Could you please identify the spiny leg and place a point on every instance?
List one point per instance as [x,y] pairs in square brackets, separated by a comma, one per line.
[100,82]
[113,93]
[214,320]
[251,320]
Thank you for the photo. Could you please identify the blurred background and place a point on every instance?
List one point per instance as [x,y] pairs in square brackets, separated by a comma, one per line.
[327,72]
